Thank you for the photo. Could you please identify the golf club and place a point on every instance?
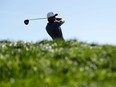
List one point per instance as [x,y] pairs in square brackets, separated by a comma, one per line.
[26,22]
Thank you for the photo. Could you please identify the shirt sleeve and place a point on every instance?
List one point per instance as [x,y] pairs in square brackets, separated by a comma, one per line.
[58,24]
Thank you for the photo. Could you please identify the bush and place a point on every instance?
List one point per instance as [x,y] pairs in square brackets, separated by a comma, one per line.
[57,64]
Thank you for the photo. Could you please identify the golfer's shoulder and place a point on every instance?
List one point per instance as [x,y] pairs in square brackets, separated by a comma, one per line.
[57,22]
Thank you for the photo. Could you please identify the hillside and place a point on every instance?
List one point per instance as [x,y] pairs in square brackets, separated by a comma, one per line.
[57,64]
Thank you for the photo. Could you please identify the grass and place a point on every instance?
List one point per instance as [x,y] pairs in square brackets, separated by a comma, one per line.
[57,64]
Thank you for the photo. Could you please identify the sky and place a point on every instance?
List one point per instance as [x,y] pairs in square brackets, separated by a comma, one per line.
[92,21]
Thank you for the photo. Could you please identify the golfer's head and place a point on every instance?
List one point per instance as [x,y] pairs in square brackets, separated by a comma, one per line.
[51,16]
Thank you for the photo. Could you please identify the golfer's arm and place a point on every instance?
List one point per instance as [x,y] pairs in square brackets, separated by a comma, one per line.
[60,20]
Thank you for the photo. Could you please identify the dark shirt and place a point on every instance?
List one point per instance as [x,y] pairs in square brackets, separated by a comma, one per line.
[54,30]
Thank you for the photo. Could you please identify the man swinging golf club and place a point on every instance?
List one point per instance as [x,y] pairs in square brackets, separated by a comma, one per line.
[53,26]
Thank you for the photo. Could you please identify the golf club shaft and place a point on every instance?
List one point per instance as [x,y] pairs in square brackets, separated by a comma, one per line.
[37,18]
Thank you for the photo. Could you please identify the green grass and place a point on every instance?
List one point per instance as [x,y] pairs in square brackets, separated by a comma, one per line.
[57,64]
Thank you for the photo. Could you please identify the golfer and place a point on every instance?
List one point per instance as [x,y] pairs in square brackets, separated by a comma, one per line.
[53,26]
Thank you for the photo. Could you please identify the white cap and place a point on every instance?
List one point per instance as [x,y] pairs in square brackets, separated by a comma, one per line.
[51,14]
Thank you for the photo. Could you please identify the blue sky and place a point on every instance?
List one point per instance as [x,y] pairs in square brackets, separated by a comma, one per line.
[85,20]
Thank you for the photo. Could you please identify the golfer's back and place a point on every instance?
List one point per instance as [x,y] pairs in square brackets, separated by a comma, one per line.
[54,30]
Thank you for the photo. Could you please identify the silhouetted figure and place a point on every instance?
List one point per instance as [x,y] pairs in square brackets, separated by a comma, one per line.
[53,26]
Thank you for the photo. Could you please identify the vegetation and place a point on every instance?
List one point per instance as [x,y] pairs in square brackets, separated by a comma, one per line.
[57,64]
